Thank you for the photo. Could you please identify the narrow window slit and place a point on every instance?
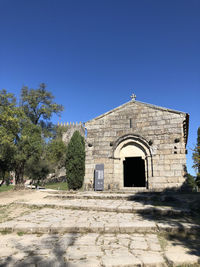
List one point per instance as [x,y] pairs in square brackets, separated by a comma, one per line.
[130,123]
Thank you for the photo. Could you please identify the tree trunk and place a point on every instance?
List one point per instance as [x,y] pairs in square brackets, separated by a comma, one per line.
[3,179]
[19,177]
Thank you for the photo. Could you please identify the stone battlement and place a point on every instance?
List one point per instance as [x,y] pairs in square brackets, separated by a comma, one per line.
[72,124]
[70,128]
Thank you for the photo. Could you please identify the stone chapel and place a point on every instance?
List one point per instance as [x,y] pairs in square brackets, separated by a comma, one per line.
[139,145]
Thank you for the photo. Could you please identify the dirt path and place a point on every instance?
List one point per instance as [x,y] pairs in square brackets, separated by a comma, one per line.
[9,197]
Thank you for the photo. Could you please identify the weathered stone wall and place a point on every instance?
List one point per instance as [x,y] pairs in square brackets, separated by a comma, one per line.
[69,130]
[164,131]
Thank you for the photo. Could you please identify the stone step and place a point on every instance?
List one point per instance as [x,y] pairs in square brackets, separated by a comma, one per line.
[29,228]
[127,190]
[102,196]
[135,227]
[108,194]
[87,196]
[48,220]
[106,206]
[175,199]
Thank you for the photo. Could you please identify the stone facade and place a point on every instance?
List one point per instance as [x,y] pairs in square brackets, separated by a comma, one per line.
[154,134]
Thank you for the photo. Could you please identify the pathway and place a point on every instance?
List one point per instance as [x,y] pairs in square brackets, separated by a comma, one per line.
[99,229]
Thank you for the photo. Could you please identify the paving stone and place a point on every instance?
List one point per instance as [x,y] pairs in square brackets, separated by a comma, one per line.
[154,246]
[124,241]
[80,252]
[87,240]
[84,263]
[138,244]
[149,258]
[180,255]
[121,261]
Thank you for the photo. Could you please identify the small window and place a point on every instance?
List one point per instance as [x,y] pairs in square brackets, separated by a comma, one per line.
[130,123]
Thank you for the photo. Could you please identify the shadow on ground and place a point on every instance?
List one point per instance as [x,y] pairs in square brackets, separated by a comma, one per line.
[182,208]
[50,251]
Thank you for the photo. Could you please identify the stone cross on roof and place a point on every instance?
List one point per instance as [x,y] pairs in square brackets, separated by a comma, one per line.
[133,96]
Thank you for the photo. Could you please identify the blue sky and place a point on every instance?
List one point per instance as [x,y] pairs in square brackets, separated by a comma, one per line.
[93,54]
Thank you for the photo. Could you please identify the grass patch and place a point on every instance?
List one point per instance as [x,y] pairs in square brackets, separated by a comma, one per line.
[20,233]
[162,240]
[5,188]
[57,186]
[3,213]
[39,234]
[5,232]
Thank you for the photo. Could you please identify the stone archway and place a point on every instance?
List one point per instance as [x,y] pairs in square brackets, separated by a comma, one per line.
[132,162]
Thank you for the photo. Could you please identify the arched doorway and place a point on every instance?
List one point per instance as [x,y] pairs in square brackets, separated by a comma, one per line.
[132,162]
[134,172]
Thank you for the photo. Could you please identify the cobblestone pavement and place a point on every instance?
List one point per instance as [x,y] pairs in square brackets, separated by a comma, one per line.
[92,250]
[82,250]
[59,233]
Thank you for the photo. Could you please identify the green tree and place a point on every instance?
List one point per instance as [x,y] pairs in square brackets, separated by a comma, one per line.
[28,145]
[9,116]
[26,128]
[56,150]
[37,169]
[56,153]
[9,125]
[196,157]
[75,161]
[6,160]
[191,181]
[39,106]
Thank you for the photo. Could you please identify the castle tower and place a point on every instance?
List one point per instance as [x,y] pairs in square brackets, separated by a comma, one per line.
[70,129]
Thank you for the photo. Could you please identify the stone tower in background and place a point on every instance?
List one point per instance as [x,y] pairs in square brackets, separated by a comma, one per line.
[70,128]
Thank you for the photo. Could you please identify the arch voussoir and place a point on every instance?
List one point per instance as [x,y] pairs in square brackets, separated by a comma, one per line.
[131,147]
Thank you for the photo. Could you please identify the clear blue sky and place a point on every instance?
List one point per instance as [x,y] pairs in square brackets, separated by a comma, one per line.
[94,54]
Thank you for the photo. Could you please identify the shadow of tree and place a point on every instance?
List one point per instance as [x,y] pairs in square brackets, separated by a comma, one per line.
[47,252]
[177,209]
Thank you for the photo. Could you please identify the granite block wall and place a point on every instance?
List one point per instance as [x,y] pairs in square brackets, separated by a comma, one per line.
[159,132]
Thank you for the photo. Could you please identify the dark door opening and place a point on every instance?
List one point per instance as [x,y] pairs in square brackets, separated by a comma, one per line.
[134,172]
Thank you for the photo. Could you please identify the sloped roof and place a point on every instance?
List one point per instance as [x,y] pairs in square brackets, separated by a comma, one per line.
[143,103]
[185,126]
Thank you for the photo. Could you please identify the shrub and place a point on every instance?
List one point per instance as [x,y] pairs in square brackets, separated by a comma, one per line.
[198,179]
[75,161]
[191,182]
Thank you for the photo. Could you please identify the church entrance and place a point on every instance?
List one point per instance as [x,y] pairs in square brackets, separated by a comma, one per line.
[132,162]
[134,172]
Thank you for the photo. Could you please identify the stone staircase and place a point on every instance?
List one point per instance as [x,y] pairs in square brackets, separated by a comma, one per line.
[104,229]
